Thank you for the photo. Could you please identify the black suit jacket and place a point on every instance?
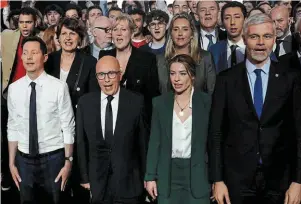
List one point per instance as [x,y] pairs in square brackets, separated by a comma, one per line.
[238,137]
[128,154]
[290,60]
[87,81]
[141,74]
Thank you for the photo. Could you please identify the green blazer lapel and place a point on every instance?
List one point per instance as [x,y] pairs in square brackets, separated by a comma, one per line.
[168,114]
[199,127]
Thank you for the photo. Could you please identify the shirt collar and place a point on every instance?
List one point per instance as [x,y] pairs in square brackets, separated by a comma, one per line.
[204,33]
[251,67]
[39,81]
[191,94]
[240,43]
[288,34]
[104,96]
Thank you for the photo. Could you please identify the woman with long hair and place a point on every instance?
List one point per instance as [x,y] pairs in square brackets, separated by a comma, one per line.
[50,38]
[184,40]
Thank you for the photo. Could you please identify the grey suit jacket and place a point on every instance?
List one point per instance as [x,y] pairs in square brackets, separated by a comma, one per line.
[288,44]
[205,73]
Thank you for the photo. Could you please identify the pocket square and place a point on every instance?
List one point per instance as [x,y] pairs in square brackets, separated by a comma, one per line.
[138,81]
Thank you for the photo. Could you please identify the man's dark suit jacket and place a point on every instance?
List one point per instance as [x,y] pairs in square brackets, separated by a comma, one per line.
[291,60]
[141,74]
[87,81]
[128,154]
[238,137]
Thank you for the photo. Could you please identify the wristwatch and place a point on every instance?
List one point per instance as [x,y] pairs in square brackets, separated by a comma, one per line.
[69,158]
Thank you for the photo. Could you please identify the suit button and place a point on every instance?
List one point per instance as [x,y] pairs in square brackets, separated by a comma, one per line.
[77,89]
[75,106]
[257,153]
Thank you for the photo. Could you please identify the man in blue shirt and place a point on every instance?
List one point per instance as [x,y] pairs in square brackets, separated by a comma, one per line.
[255,132]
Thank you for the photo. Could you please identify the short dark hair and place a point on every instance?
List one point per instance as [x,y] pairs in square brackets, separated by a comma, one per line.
[298,5]
[53,7]
[72,24]
[139,12]
[169,6]
[91,8]
[43,46]
[73,7]
[114,9]
[13,13]
[232,4]
[264,3]
[29,11]
[157,15]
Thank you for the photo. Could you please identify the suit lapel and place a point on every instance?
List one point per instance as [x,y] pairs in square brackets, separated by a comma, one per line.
[57,64]
[223,64]
[97,108]
[169,105]
[72,76]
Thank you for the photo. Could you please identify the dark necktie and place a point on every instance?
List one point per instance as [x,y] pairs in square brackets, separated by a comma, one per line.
[33,129]
[258,96]
[209,36]
[109,122]
[233,55]
[278,42]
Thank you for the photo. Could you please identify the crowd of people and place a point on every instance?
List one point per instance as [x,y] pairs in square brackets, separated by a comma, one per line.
[148,102]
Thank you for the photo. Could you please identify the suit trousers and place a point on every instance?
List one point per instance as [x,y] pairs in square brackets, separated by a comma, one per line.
[180,190]
[38,175]
[258,192]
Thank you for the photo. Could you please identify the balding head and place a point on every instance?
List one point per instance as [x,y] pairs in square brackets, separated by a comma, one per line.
[101,21]
[108,74]
[102,31]
[280,16]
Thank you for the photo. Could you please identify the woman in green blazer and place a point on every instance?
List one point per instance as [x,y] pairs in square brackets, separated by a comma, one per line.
[177,161]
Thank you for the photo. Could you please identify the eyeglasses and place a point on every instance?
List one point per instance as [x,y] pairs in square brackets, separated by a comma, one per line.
[107,30]
[154,25]
[111,75]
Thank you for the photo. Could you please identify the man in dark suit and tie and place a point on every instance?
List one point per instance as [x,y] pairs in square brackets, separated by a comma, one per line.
[111,139]
[227,53]
[255,131]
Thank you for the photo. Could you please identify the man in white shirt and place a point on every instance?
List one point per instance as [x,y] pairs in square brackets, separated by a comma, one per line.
[110,125]
[228,53]
[209,34]
[101,29]
[40,129]
[281,17]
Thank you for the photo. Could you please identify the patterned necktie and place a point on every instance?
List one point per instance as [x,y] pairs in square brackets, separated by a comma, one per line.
[258,96]
[209,36]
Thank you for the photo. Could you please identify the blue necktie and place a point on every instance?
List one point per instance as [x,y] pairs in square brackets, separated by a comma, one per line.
[258,96]
[210,40]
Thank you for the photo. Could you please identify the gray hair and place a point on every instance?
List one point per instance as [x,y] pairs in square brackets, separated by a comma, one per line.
[256,20]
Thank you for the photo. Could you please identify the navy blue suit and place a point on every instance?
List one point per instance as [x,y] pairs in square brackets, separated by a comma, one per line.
[219,53]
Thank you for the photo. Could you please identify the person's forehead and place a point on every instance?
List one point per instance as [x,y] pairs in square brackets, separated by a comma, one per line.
[102,22]
[122,23]
[157,19]
[179,2]
[108,65]
[257,29]
[25,16]
[208,4]
[95,10]
[72,11]
[233,10]
[31,45]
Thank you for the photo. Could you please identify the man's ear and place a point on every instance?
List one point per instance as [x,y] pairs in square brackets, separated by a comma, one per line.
[45,58]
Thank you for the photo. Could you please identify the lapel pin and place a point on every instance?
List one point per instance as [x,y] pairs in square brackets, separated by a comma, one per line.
[138,81]
[77,89]
[276,75]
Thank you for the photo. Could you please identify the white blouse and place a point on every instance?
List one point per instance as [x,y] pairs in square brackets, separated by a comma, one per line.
[63,75]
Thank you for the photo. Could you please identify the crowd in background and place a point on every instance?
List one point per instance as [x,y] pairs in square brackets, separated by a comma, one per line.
[145,38]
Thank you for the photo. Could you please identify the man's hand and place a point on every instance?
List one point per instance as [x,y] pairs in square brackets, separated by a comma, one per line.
[85,185]
[151,187]
[221,193]
[293,194]
[15,174]
[64,174]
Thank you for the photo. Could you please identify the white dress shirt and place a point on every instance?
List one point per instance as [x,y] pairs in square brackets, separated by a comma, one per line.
[181,135]
[63,75]
[205,40]
[114,103]
[55,118]
[240,51]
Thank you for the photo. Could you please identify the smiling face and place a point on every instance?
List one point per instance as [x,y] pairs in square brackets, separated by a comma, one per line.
[208,14]
[181,33]
[33,58]
[26,24]
[233,20]
[121,34]
[69,39]
[259,41]
[180,79]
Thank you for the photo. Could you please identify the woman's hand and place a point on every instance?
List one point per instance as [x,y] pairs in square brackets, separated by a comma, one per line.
[151,187]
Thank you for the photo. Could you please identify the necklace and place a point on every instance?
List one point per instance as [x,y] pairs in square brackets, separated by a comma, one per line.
[181,113]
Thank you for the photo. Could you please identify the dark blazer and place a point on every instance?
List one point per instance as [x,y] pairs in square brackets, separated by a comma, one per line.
[141,74]
[128,154]
[219,53]
[221,35]
[291,60]
[205,73]
[87,81]
[238,138]
[160,145]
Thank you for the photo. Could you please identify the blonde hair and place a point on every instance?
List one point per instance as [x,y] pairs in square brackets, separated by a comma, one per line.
[125,17]
[194,43]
